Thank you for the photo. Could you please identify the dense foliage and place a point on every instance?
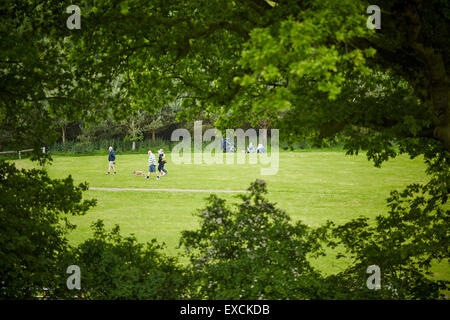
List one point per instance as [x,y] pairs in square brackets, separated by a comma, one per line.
[117,267]
[35,252]
[256,252]
[404,243]
[33,229]
[252,252]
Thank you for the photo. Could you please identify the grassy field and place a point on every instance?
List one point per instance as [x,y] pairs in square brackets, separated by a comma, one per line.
[310,186]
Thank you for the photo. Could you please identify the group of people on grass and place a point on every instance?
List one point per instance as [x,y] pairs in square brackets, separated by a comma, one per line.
[152,164]
[259,149]
[161,171]
[162,160]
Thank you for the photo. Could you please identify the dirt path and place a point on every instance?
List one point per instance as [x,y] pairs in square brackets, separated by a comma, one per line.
[169,190]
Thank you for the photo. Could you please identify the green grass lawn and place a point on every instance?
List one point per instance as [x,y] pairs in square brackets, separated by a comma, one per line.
[311,186]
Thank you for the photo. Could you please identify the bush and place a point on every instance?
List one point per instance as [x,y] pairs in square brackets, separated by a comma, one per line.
[252,252]
[35,253]
[33,229]
[404,243]
[116,267]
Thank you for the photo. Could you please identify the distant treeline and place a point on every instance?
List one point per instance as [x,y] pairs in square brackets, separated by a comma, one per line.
[138,133]
[100,146]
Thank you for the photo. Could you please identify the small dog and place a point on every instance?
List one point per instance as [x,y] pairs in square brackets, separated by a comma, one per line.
[138,173]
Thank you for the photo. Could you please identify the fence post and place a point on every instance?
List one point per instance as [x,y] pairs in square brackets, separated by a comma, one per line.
[20,155]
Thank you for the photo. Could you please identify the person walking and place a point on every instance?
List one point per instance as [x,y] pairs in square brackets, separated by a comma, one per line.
[112,161]
[151,165]
[161,163]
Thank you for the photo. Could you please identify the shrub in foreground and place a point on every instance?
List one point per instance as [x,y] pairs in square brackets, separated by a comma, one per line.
[253,251]
[117,267]
[33,229]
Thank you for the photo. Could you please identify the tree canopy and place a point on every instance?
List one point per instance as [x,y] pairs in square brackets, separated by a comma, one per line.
[311,67]
[308,68]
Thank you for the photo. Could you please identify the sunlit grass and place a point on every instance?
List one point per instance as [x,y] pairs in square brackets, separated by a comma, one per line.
[310,186]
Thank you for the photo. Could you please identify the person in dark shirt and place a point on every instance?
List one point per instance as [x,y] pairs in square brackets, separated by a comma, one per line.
[161,162]
[112,161]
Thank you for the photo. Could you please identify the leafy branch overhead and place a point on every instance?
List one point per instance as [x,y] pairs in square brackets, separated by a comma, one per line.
[312,67]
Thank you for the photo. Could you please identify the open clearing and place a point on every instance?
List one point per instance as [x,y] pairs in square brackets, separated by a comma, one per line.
[311,186]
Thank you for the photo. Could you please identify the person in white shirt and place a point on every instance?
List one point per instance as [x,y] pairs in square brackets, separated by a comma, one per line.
[151,165]
[250,148]
[260,149]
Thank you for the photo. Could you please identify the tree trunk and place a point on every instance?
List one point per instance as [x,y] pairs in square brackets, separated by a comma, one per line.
[133,145]
[264,124]
[63,130]
[438,96]
[437,84]
[153,134]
